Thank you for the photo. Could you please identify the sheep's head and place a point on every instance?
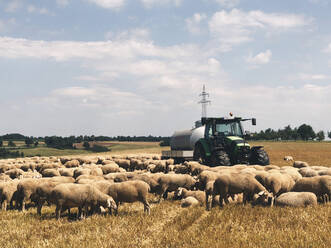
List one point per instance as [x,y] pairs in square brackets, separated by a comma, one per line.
[262,198]
[111,203]
[178,193]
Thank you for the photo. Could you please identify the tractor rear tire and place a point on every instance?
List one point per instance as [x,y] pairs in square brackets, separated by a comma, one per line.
[199,155]
[260,157]
[221,158]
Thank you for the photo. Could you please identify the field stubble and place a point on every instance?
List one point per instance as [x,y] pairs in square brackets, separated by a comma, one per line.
[169,225]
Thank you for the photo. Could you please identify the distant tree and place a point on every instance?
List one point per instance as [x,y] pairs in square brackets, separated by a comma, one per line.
[329,135]
[306,132]
[320,136]
[28,141]
[36,143]
[11,144]
[1,143]
[86,145]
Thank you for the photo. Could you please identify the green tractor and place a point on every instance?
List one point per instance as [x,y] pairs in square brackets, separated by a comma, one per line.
[224,144]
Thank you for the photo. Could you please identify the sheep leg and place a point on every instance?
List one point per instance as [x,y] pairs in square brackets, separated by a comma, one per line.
[58,211]
[39,206]
[4,205]
[146,206]
[208,203]
[116,210]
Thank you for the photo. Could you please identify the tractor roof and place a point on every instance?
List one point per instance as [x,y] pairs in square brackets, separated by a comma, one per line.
[220,120]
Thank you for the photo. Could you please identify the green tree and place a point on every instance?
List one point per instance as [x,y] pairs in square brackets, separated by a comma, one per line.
[306,132]
[36,143]
[1,143]
[86,145]
[320,136]
[329,135]
[28,141]
[11,144]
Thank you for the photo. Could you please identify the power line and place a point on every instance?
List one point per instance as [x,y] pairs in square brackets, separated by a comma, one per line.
[204,102]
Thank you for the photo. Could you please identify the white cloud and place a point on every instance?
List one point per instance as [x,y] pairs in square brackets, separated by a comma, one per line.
[311,77]
[108,4]
[236,26]
[135,34]
[150,3]
[261,58]
[228,3]
[13,6]
[193,23]
[62,2]
[34,9]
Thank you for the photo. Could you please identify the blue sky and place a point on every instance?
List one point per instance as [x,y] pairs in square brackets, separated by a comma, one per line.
[136,67]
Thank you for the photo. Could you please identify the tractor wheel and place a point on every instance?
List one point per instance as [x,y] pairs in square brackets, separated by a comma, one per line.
[220,158]
[260,157]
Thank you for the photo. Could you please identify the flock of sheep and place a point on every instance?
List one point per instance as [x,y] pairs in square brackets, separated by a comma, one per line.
[97,184]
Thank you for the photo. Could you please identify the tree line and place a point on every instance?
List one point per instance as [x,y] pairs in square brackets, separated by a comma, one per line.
[303,132]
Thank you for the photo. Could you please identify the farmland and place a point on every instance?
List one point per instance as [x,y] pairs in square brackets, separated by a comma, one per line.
[169,225]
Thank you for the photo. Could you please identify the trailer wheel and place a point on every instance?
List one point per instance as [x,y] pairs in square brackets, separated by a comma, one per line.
[199,154]
[220,158]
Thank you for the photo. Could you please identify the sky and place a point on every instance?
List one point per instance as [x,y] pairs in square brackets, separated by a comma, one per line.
[137,67]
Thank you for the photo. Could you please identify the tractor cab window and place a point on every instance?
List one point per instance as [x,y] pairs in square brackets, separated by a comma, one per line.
[229,129]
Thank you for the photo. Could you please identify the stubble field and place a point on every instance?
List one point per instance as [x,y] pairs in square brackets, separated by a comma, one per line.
[169,225]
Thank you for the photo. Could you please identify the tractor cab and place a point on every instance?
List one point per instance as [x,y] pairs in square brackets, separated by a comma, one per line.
[224,143]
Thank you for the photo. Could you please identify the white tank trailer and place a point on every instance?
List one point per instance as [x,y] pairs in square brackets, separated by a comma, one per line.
[182,144]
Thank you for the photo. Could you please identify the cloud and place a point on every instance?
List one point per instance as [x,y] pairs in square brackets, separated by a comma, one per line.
[62,2]
[260,59]
[236,27]
[228,3]
[312,77]
[135,34]
[108,4]
[151,3]
[34,9]
[193,23]
[13,6]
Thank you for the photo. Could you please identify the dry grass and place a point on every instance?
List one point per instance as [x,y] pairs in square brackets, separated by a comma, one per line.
[171,226]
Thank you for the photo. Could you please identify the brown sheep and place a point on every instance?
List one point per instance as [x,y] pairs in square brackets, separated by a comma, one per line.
[8,192]
[319,185]
[182,193]
[171,182]
[236,183]
[130,191]
[72,195]
[278,183]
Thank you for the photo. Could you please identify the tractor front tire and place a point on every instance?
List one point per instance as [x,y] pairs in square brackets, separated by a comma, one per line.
[221,158]
[260,157]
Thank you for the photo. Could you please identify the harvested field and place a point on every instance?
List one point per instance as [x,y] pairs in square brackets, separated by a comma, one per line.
[169,225]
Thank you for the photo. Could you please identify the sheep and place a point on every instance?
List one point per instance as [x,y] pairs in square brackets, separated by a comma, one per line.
[319,185]
[50,173]
[72,163]
[14,173]
[130,191]
[235,183]
[110,168]
[26,188]
[80,171]
[278,183]
[4,177]
[8,192]
[80,195]
[300,164]
[182,193]
[123,163]
[168,183]
[326,172]
[43,193]
[189,201]
[89,177]
[288,158]
[296,199]
[66,172]
[308,172]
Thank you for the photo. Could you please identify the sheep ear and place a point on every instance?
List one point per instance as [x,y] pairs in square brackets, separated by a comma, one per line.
[261,193]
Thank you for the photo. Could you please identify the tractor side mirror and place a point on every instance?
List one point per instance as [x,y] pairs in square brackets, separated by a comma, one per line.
[253,121]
